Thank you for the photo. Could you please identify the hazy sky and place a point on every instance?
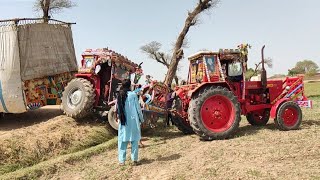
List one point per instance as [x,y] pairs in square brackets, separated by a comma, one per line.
[290,29]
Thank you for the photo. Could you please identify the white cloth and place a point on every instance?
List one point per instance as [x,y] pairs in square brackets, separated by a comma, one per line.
[11,92]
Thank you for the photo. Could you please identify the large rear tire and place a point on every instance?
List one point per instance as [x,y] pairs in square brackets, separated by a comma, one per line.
[182,124]
[78,98]
[289,116]
[259,118]
[214,113]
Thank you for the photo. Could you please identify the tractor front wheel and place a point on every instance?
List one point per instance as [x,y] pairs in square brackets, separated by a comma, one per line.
[112,118]
[289,116]
[78,98]
[214,113]
[259,118]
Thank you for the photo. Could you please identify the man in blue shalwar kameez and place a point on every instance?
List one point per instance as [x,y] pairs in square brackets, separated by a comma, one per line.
[130,115]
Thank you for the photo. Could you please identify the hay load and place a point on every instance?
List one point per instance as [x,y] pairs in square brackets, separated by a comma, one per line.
[36,62]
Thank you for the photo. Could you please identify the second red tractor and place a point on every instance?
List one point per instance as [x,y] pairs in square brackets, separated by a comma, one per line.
[217,94]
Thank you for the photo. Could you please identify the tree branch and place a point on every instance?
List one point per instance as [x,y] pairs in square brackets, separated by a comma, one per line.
[190,21]
[152,49]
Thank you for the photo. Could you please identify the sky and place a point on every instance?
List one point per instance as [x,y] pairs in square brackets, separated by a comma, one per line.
[290,29]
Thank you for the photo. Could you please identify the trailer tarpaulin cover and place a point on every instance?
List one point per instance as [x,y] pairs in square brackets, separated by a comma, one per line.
[45,50]
[11,95]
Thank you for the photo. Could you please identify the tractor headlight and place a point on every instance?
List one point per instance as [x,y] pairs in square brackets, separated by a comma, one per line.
[287,88]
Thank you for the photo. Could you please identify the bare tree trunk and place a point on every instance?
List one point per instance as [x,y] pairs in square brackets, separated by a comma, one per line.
[45,5]
[190,21]
[176,79]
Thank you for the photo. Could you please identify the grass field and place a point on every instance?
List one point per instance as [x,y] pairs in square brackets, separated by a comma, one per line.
[312,89]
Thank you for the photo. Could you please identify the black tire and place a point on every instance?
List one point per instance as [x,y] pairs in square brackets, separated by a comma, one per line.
[112,120]
[182,124]
[258,118]
[1,116]
[195,118]
[75,106]
[293,118]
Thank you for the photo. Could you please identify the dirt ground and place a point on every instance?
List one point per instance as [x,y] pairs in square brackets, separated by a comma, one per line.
[13,122]
[254,153]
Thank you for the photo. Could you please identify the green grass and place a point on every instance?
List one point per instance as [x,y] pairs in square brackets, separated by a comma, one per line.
[51,166]
[312,89]
[20,157]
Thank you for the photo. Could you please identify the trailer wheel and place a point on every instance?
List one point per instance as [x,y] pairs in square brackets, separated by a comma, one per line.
[259,118]
[78,98]
[112,119]
[214,113]
[289,116]
[182,124]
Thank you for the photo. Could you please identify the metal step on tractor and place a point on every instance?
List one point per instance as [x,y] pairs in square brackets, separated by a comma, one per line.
[95,87]
[217,94]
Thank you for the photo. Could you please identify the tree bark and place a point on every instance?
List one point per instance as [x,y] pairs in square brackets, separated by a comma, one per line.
[191,20]
[45,5]
[176,79]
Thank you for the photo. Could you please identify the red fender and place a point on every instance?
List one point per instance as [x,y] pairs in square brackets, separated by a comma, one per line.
[274,108]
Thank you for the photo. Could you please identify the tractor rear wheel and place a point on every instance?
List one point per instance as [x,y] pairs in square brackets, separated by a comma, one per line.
[182,124]
[259,118]
[78,98]
[289,116]
[214,113]
[112,118]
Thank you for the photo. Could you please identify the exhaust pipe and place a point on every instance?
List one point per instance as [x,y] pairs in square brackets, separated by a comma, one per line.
[263,73]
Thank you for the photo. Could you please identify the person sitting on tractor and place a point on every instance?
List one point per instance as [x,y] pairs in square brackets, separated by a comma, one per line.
[148,79]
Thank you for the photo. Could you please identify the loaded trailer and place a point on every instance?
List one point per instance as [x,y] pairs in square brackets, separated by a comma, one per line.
[37,60]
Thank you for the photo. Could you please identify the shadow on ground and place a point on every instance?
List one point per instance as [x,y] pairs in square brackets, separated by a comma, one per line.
[162,132]
[29,118]
[309,123]
[161,158]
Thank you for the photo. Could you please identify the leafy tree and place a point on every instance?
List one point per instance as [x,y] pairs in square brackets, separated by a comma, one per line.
[49,7]
[191,20]
[277,76]
[308,67]
[249,73]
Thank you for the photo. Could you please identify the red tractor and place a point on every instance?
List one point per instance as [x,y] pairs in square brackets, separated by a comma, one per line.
[95,85]
[97,82]
[217,94]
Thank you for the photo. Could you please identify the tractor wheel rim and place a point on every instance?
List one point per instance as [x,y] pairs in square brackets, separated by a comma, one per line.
[74,97]
[290,116]
[218,113]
